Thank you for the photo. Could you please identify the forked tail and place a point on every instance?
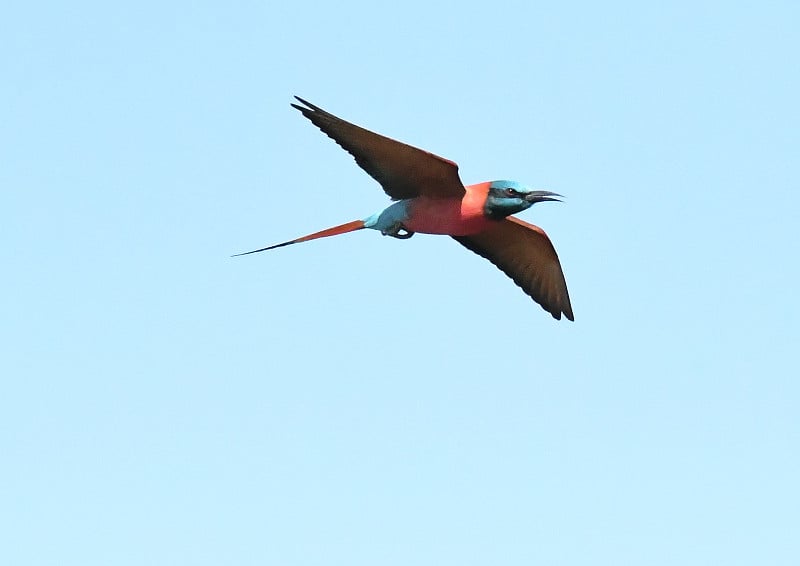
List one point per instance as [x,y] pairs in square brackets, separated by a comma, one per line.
[335,231]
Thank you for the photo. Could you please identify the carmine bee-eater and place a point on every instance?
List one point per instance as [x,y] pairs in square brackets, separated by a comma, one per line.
[431,199]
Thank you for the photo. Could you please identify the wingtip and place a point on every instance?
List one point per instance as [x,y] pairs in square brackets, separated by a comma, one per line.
[306,103]
[562,308]
[567,310]
[556,314]
[297,106]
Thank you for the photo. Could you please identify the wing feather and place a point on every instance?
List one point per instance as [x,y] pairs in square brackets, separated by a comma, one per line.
[524,253]
[403,171]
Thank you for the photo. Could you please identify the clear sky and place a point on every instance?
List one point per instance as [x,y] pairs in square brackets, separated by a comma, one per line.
[368,401]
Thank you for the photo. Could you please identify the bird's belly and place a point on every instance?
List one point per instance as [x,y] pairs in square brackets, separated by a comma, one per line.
[446,216]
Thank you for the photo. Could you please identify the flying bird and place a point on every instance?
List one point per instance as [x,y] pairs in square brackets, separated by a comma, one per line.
[431,199]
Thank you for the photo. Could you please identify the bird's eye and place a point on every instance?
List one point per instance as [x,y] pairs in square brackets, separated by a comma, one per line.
[512,192]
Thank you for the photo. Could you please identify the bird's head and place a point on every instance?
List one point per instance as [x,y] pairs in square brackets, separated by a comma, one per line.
[509,197]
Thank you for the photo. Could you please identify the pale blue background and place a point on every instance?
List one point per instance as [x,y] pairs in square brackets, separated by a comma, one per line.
[369,401]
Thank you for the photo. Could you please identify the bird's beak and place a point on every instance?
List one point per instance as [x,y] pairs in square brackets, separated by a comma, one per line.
[541,196]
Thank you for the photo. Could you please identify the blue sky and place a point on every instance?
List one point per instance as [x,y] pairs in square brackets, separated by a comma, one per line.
[364,400]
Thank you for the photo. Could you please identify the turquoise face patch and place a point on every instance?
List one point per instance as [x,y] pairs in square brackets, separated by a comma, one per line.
[499,203]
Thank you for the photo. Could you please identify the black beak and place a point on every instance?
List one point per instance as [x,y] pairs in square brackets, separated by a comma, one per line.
[541,196]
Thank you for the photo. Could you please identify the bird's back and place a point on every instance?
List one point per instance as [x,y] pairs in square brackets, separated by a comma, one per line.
[451,216]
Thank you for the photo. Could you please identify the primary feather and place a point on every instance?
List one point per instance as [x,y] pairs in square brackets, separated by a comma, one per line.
[524,253]
[403,171]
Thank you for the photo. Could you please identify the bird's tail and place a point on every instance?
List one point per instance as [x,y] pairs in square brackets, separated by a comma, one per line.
[335,231]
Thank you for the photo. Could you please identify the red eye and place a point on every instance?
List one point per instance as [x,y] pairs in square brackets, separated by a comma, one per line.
[512,193]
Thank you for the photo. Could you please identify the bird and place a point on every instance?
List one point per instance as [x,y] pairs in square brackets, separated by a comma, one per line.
[430,198]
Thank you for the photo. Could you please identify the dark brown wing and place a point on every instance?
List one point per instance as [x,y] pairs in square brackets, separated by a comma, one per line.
[524,253]
[402,170]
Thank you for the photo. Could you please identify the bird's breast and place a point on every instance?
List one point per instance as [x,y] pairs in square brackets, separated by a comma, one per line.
[454,217]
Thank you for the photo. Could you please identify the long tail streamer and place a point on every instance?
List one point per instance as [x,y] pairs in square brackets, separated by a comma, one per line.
[335,231]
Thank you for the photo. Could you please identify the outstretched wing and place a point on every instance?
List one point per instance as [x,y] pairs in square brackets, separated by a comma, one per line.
[524,253]
[402,170]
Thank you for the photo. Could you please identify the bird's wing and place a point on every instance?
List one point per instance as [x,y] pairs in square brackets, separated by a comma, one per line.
[402,170]
[524,253]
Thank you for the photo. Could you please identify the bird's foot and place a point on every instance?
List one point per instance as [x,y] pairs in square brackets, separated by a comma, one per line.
[397,230]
